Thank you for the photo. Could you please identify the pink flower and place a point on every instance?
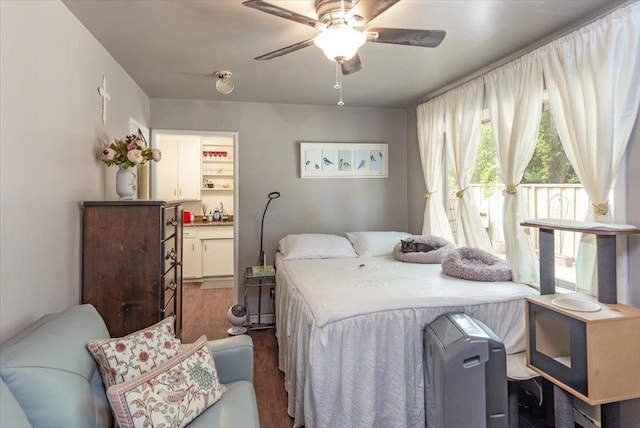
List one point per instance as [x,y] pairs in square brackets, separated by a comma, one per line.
[143,356]
[132,145]
[107,154]
[156,155]
[135,156]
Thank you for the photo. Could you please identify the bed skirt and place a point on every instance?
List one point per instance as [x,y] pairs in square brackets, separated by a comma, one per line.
[366,370]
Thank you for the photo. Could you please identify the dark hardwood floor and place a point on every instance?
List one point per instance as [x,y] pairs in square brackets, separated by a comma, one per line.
[205,312]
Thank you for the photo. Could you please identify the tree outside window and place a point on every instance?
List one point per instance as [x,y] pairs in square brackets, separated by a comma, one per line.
[548,165]
[550,182]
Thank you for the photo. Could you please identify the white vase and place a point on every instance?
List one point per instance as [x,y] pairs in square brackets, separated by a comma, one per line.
[126,183]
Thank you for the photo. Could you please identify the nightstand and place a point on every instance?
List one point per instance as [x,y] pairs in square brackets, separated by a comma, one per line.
[261,280]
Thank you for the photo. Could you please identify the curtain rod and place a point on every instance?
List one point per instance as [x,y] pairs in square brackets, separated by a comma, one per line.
[600,13]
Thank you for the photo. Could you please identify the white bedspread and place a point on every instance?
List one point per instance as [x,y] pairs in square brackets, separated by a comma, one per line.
[350,337]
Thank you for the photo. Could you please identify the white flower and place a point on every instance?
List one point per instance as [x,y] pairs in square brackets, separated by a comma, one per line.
[156,155]
[135,156]
[107,154]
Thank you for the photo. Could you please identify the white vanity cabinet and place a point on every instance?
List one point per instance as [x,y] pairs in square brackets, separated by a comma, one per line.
[178,172]
[217,250]
[208,251]
[191,253]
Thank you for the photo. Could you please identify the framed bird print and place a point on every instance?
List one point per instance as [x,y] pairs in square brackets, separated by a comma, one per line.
[343,160]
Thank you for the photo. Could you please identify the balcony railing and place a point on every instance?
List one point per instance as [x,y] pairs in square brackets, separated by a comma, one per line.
[562,201]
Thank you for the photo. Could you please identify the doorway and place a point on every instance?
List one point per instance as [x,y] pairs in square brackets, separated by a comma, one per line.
[200,169]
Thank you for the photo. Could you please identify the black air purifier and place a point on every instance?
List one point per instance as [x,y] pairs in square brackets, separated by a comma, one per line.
[465,374]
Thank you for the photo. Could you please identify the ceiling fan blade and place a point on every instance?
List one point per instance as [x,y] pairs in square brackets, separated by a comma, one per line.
[352,65]
[406,36]
[369,9]
[272,9]
[284,51]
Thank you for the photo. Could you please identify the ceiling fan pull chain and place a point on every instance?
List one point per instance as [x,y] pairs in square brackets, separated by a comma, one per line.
[338,84]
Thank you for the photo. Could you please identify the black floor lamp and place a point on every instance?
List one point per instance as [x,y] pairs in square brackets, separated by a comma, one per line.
[261,259]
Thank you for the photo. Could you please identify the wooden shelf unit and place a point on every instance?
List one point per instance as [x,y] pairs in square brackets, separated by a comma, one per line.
[602,347]
[221,160]
[592,355]
[217,170]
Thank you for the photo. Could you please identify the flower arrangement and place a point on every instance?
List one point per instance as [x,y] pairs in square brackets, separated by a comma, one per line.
[128,152]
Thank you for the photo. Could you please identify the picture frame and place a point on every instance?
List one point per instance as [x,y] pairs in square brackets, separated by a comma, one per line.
[344,160]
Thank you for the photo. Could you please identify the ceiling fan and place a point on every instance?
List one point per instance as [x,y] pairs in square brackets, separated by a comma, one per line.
[341,22]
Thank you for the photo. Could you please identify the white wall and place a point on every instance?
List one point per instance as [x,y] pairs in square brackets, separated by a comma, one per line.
[51,67]
[269,160]
[633,214]
[415,179]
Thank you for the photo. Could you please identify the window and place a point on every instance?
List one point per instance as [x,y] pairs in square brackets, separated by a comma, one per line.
[551,185]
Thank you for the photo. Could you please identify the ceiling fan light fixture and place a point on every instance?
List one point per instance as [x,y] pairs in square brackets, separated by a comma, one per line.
[340,42]
[224,84]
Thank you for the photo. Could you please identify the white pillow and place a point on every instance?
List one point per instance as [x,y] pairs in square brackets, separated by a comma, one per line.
[315,246]
[375,243]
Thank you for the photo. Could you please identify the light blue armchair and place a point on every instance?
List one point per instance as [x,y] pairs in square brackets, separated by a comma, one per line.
[49,379]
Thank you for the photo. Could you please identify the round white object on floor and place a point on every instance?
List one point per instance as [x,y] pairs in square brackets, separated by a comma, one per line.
[236,330]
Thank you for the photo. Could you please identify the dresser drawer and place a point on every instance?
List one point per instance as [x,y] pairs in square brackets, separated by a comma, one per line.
[169,309]
[169,221]
[169,285]
[170,254]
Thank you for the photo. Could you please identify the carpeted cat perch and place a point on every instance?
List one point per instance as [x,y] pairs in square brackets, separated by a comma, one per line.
[475,265]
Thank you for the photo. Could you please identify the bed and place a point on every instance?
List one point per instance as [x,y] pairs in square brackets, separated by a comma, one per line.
[349,331]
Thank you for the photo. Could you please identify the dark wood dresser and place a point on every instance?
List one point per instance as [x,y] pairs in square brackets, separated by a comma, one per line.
[132,263]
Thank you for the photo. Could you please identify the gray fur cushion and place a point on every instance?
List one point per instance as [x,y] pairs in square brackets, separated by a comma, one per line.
[435,256]
[476,265]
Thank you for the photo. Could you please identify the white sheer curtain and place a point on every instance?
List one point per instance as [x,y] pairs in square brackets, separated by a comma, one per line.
[431,144]
[462,130]
[514,96]
[593,80]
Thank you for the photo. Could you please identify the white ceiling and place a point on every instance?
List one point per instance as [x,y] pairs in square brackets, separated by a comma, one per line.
[172,48]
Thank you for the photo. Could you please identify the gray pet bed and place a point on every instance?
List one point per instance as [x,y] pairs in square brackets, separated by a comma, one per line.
[431,257]
[476,265]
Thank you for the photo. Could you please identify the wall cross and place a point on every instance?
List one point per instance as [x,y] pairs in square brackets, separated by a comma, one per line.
[102,90]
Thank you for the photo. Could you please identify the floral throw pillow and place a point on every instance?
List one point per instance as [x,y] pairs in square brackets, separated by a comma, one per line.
[122,359]
[171,395]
